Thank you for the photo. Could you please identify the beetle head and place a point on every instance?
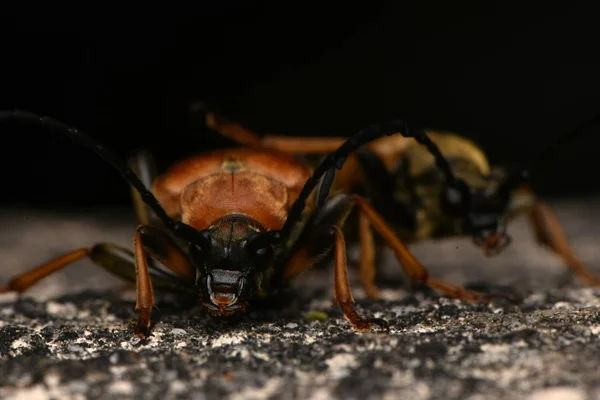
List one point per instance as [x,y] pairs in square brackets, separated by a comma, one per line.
[230,259]
[483,204]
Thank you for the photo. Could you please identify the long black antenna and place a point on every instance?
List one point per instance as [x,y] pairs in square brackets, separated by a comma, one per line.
[88,141]
[552,149]
[323,174]
[523,174]
[325,171]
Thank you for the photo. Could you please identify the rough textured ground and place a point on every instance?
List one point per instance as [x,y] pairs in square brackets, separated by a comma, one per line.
[69,338]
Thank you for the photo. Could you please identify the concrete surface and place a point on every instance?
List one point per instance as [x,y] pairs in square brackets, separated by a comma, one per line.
[68,338]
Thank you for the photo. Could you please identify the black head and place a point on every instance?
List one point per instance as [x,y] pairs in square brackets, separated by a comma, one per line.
[231,258]
[482,205]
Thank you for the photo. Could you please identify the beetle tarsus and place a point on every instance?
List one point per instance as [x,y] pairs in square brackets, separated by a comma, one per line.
[141,327]
[381,323]
[142,332]
[360,323]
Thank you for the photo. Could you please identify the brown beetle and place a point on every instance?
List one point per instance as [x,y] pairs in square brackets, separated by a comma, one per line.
[425,192]
[232,225]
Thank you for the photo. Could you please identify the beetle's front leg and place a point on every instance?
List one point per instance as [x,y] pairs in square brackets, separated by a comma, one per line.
[316,246]
[154,242]
[323,239]
[343,293]
[145,292]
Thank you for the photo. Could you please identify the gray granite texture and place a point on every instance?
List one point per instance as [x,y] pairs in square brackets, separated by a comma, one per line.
[68,337]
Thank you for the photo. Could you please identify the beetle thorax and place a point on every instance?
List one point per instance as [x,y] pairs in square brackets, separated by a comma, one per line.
[244,193]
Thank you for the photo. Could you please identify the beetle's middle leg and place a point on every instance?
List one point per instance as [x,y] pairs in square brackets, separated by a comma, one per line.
[367,270]
[307,256]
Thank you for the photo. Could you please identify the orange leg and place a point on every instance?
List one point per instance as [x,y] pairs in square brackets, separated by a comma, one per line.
[145,292]
[343,294]
[415,271]
[109,256]
[22,282]
[152,241]
[367,270]
[308,255]
[113,258]
[549,232]
[243,135]
[389,148]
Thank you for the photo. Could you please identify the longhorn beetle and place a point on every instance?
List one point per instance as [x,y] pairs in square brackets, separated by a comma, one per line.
[233,225]
[442,189]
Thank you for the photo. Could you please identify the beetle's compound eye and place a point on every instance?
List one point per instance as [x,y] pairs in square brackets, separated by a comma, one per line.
[456,198]
[261,248]
[199,247]
[263,253]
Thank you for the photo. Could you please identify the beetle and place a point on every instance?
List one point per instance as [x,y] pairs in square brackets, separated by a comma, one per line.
[229,226]
[423,194]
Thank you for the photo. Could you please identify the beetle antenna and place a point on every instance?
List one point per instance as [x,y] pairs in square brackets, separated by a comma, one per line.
[552,149]
[324,174]
[519,176]
[88,141]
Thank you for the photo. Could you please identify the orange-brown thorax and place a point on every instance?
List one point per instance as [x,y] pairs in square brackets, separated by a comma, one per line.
[260,184]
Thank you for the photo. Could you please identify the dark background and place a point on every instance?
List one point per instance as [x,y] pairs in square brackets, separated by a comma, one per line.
[514,80]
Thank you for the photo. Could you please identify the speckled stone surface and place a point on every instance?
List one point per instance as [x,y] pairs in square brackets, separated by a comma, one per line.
[69,337]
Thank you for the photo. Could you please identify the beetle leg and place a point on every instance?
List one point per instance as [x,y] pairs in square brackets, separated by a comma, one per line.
[343,294]
[367,269]
[315,246]
[232,130]
[415,271]
[305,145]
[246,136]
[314,251]
[24,281]
[148,240]
[549,232]
[112,257]
[154,242]
[105,255]
[380,192]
